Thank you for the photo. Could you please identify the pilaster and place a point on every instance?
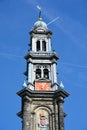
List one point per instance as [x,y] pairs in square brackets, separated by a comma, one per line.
[26,122]
[53,121]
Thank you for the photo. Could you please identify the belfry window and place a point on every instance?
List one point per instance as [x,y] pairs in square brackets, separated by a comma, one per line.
[46,73]
[38,73]
[43,46]
[38,45]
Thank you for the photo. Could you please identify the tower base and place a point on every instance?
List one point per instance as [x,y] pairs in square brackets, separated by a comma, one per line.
[42,110]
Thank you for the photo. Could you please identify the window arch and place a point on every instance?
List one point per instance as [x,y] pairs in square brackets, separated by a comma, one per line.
[46,73]
[38,45]
[44,45]
[38,73]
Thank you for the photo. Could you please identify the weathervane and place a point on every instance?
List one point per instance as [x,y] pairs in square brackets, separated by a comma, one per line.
[39,8]
[52,21]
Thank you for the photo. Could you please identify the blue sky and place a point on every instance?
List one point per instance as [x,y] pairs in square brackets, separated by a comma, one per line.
[69,40]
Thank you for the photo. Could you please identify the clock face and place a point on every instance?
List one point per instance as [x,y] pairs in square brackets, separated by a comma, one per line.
[42,85]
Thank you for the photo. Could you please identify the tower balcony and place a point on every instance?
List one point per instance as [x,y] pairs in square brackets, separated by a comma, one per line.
[42,54]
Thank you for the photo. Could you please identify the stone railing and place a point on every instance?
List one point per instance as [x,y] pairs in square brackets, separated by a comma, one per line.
[43,53]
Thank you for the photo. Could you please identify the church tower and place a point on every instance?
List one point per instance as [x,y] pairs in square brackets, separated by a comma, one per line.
[41,95]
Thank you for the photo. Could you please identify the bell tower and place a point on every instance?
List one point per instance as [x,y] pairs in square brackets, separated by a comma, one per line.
[41,60]
[42,97]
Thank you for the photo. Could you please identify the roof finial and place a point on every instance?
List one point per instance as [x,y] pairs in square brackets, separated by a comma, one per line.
[39,8]
[61,84]
[24,84]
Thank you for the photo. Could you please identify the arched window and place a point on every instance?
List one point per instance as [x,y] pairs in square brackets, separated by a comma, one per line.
[46,73]
[38,45]
[38,73]
[43,45]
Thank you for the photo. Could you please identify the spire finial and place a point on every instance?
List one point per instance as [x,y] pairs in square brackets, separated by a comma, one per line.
[39,8]
[24,84]
[61,84]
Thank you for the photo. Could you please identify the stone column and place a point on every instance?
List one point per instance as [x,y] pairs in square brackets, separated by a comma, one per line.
[56,116]
[51,73]
[41,45]
[50,122]
[55,73]
[32,73]
[42,73]
[33,121]
[26,125]
[49,44]
[53,121]
[60,114]
[29,73]
[33,44]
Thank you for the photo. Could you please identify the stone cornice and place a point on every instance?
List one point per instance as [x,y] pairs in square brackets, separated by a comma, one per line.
[58,94]
[40,32]
[43,55]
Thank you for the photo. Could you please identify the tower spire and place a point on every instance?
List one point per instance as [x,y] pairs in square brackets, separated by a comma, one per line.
[39,8]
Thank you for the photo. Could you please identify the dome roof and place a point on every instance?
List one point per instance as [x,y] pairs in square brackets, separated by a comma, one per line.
[40,23]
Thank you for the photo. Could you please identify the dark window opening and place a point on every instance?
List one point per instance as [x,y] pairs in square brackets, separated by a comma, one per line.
[46,73]
[43,45]
[38,46]
[38,73]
